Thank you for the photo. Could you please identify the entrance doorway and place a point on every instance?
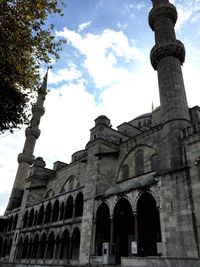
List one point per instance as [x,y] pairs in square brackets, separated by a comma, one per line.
[123,228]
[102,228]
[148,225]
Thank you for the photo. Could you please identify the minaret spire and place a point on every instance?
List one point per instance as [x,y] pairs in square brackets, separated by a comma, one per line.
[25,159]
[167,56]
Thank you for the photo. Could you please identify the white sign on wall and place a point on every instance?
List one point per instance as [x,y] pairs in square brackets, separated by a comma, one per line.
[133,247]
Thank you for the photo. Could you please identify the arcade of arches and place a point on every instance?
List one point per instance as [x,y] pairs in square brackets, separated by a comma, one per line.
[58,244]
[123,227]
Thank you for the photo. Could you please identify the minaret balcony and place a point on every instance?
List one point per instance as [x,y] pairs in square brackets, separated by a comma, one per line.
[27,158]
[162,10]
[174,48]
[32,132]
[38,109]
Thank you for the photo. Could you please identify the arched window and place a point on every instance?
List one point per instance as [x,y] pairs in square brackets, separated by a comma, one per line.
[75,244]
[25,248]
[57,246]
[48,213]
[61,211]
[50,193]
[55,211]
[64,252]
[154,162]
[25,219]
[43,242]
[31,216]
[1,245]
[15,222]
[29,249]
[10,223]
[5,244]
[35,218]
[139,162]
[79,205]
[50,246]
[69,208]
[35,247]
[125,172]
[71,183]
[19,248]
[40,216]
[9,247]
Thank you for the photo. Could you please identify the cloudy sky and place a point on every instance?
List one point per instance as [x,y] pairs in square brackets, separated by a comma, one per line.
[104,69]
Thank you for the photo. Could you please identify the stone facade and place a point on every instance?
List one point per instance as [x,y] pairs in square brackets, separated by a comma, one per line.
[135,188]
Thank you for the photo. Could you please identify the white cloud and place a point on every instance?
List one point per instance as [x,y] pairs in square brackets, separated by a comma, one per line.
[68,74]
[84,25]
[187,12]
[102,52]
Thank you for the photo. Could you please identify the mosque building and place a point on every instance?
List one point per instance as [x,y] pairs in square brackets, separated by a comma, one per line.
[131,197]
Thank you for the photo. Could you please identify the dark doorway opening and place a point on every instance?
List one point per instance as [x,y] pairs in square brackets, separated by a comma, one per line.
[148,225]
[123,228]
[102,228]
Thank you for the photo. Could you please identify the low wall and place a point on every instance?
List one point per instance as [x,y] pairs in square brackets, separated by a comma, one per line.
[159,262]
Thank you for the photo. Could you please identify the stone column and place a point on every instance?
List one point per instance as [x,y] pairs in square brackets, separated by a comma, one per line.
[136,229]
[111,235]
[93,251]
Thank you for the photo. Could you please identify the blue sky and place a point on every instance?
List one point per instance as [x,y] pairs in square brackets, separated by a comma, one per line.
[104,69]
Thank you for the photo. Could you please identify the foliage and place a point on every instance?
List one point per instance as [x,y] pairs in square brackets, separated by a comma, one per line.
[25,43]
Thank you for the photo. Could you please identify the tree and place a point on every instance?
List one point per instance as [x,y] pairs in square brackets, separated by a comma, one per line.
[25,43]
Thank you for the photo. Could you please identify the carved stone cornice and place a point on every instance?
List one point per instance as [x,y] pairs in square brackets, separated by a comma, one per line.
[165,49]
[162,10]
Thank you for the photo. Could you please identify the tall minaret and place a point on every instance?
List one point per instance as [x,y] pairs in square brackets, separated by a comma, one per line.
[25,159]
[167,56]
